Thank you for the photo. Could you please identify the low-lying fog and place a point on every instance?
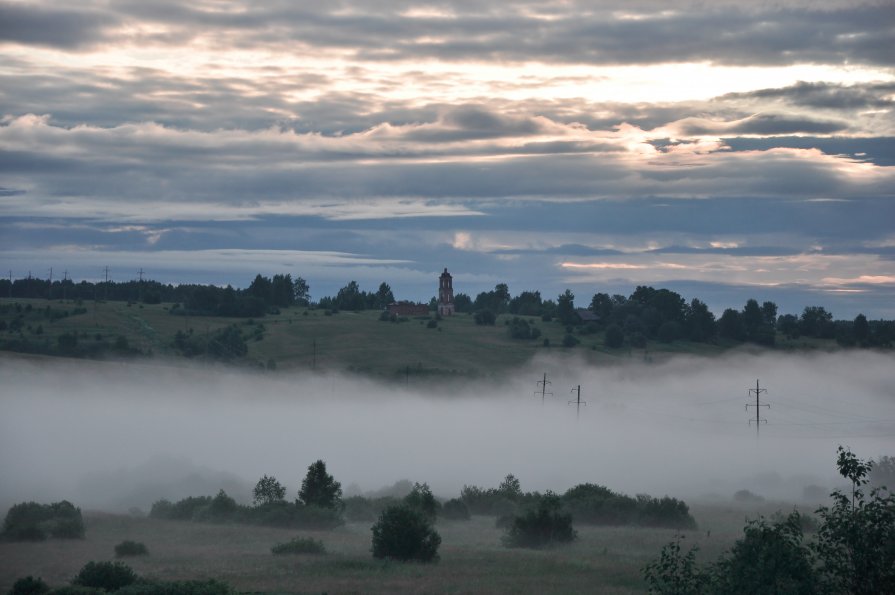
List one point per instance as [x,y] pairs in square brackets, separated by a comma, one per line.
[113,436]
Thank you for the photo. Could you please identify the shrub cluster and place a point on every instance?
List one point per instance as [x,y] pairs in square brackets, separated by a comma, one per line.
[597,505]
[404,533]
[99,578]
[543,525]
[108,576]
[851,553]
[299,545]
[223,509]
[130,548]
[30,521]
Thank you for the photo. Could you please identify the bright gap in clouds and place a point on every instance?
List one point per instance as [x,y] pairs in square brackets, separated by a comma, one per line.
[341,72]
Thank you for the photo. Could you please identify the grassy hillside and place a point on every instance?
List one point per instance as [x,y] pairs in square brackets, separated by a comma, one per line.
[305,339]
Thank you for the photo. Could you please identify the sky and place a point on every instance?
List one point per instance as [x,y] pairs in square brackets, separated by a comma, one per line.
[722,149]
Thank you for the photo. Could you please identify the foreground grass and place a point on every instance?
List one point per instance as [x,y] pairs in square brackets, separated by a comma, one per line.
[605,560]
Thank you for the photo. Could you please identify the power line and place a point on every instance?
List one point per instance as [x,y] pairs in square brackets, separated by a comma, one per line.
[577,401]
[758,405]
[543,384]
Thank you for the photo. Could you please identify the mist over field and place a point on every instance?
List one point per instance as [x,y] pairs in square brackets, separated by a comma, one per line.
[112,436]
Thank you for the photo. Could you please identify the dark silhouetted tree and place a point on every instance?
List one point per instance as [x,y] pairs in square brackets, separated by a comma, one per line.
[565,308]
[319,488]
[301,291]
[268,491]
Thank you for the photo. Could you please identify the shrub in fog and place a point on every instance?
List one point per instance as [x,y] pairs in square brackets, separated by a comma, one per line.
[29,586]
[183,510]
[130,548]
[299,545]
[404,533]
[455,510]
[544,524]
[268,490]
[500,501]
[31,521]
[421,498]
[598,505]
[108,576]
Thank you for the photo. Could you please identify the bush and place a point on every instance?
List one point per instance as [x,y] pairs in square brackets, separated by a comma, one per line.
[108,576]
[30,521]
[421,498]
[130,548]
[485,317]
[455,510]
[598,505]
[29,586]
[544,525]
[615,337]
[769,558]
[299,545]
[183,510]
[404,533]
[675,573]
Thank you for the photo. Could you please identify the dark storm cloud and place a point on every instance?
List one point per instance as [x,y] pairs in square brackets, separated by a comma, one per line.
[578,32]
[63,28]
[827,95]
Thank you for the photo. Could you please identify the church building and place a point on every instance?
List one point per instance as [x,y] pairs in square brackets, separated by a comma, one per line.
[445,294]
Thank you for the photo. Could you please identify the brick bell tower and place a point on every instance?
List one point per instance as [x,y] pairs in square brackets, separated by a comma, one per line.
[445,294]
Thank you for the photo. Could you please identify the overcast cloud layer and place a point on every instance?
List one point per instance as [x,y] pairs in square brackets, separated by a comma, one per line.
[723,149]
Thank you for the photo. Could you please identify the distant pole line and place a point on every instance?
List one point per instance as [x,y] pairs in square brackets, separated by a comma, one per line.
[543,384]
[757,392]
[577,401]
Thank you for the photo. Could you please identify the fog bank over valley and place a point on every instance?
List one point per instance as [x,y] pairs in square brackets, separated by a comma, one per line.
[113,436]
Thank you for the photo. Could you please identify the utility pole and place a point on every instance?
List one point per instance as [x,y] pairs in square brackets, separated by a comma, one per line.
[577,401]
[758,420]
[140,286]
[543,384]
[64,284]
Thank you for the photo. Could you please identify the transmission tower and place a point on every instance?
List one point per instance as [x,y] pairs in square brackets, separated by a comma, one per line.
[758,405]
[578,402]
[543,384]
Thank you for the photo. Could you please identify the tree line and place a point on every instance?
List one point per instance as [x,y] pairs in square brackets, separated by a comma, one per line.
[646,314]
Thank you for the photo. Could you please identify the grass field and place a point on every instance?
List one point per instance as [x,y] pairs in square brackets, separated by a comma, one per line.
[300,338]
[472,559]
